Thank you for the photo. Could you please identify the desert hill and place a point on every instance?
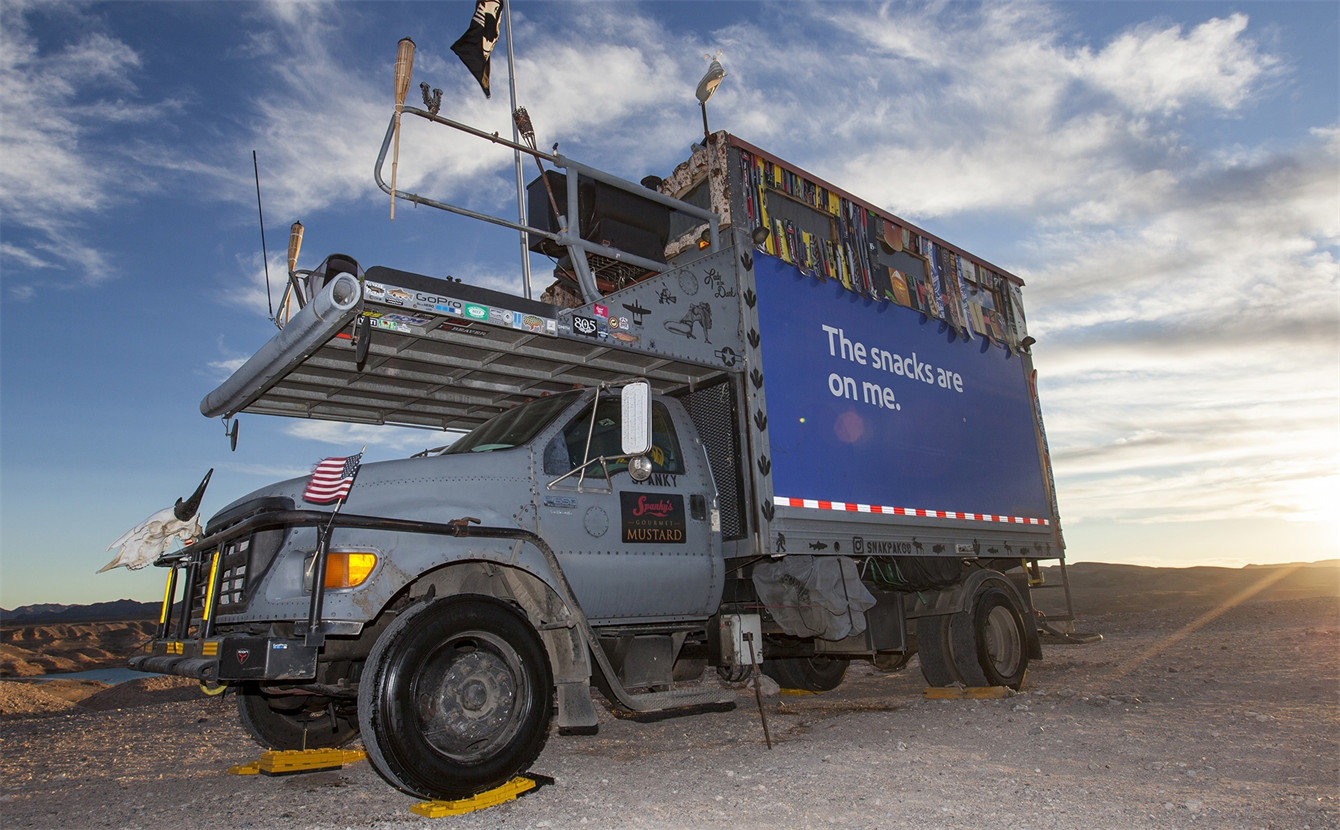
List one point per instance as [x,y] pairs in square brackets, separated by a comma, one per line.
[29,650]
[50,612]
[1101,588]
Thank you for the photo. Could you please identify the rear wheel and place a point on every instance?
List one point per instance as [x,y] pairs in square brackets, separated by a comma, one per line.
[293,721]
[455,698]
[811,674]
[937,664]
[990,643]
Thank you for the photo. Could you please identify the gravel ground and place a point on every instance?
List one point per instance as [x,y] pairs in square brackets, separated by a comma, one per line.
[1180,718]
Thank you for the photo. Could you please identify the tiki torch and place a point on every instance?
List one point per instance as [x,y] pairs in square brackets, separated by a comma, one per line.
[404,67]
[292,293]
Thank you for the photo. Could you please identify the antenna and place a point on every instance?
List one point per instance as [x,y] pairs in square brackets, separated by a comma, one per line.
[255,166]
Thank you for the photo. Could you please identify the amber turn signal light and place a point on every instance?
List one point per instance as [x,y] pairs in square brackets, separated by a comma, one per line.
[348,569]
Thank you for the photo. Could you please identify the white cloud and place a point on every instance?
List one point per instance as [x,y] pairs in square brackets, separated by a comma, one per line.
[255,290]
[56,173]
[225,367]
[268,472]
[1162,70]
[951,109]
[391,439]
[607,69]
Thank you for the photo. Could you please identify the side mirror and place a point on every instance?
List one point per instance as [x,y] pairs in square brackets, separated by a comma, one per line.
[636,417]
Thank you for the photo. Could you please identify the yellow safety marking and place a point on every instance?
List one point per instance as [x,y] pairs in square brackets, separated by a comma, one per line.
[967,692]
[494,797]
[209,593]
[797,692]
[282,762]
[167,597]
[175,647]
[210,648]
[1033,581]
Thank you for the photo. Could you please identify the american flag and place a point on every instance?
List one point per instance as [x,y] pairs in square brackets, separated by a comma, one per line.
[332,479]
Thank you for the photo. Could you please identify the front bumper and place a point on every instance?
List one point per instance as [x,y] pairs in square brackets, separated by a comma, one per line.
[230,658]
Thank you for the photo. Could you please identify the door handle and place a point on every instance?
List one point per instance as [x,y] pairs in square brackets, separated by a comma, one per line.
[698,507]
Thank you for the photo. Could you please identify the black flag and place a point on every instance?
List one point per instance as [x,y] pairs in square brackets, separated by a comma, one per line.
[476,45]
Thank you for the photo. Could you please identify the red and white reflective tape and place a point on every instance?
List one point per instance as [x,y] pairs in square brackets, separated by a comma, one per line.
[819,504]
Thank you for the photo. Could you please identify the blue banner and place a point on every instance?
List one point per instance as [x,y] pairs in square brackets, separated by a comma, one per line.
[869,402]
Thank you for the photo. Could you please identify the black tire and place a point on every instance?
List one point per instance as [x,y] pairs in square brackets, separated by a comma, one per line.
[810,674]
[455,698]
[293,721]
[937,663]
[989,642]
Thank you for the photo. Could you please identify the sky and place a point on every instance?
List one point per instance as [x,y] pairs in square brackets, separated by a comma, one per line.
[1165,177]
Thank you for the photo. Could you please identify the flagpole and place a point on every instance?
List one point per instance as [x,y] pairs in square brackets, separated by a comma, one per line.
[315,636]
[516,154]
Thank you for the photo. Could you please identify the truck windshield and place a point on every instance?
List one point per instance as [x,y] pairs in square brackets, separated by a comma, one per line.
[514,427]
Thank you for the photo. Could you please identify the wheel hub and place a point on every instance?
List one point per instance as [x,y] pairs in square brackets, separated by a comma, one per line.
[1000,636]
[469,698]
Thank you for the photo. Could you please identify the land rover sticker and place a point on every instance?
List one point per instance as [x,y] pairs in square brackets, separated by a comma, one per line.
[656,518]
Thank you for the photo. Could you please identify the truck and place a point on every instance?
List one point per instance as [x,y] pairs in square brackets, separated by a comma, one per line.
[755,424]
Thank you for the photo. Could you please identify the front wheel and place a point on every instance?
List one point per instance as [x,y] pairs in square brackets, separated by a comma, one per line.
[455,698]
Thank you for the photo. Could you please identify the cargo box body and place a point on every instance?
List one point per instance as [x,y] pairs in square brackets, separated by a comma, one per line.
[882,418]
[891,402]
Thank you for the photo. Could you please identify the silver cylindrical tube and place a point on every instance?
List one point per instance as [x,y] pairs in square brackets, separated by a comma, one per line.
[309,330]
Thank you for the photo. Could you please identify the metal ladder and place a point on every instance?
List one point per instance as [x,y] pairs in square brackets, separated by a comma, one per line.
[1061,627]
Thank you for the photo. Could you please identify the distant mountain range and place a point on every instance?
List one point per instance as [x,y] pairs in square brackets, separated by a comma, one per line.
[1097,587]
[42,614]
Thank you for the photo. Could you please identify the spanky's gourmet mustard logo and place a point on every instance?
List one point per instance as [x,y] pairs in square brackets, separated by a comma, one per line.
[653,517]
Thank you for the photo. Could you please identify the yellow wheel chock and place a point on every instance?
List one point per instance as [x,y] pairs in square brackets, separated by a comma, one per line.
[288,762]
[520,785]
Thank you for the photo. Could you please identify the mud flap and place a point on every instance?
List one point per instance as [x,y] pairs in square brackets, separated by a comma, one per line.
[576,712]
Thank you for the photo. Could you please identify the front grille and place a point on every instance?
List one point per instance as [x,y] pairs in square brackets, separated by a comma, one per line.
[233,573]
[713,412]
[232,579]
[241,561]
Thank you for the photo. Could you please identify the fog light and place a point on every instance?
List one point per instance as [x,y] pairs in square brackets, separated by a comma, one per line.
[348,569]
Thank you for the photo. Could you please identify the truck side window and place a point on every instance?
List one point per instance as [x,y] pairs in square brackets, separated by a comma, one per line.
[566,451]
